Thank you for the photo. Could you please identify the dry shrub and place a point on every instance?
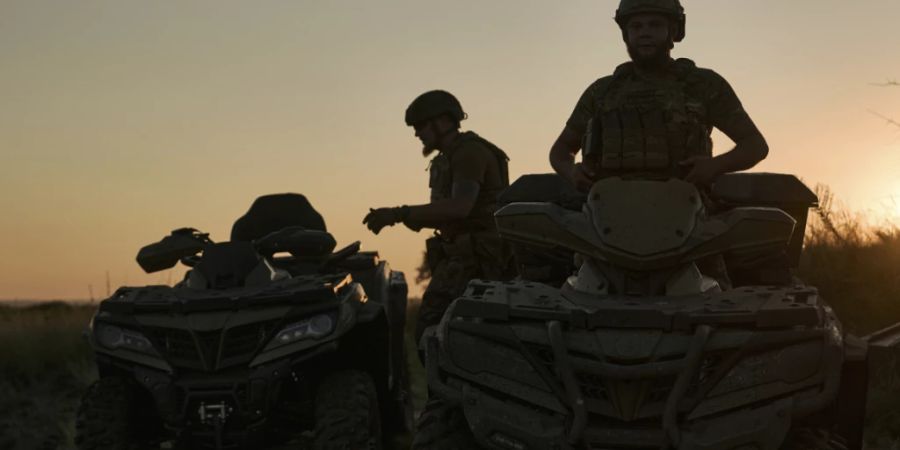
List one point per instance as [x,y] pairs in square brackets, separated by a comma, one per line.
[855,265]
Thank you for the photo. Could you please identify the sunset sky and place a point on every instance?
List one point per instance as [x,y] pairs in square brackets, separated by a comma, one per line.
[121,120]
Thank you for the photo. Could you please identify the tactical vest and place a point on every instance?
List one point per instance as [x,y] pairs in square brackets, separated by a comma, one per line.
[441,183]
[646,127]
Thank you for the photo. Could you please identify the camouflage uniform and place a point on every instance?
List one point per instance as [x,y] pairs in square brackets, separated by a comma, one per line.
[633,125]
[468,248]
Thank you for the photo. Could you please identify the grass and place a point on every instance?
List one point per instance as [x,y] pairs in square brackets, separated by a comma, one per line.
[44,366]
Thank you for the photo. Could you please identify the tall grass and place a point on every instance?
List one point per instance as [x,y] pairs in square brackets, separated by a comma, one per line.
[44,366]
[855,265]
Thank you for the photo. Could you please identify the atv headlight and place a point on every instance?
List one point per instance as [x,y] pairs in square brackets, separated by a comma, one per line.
[310,328]
[113,338]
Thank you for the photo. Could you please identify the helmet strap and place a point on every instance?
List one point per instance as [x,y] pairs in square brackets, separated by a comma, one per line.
[441,135]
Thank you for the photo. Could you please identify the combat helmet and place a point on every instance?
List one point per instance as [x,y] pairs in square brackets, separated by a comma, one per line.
[671,8]
[433,104]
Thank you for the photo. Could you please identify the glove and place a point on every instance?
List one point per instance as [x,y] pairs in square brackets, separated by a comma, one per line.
[383,217]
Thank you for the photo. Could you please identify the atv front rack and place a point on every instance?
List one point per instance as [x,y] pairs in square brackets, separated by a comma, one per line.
[686,370]
[536,353]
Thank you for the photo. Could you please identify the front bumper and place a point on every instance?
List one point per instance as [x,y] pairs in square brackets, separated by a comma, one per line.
[232,409]
[510,426]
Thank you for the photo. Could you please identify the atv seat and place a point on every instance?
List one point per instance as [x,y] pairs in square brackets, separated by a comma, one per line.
[275,212]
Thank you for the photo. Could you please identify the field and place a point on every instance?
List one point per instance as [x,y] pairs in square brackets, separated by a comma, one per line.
[45,362]
[44,365]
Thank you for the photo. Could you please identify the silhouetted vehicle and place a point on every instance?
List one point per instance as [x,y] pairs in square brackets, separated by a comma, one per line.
[271,339]
[638,348]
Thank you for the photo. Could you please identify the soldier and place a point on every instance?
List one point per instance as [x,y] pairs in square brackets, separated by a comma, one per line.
[654,115]
[466,176]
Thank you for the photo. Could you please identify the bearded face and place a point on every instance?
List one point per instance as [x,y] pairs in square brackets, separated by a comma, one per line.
[426,133]
[648,37]
[434,132]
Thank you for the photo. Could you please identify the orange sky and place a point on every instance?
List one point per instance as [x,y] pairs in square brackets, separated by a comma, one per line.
[121,120]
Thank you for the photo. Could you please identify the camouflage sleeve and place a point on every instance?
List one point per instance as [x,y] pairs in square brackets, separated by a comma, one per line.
[725,109]
[470,162]
[584,109]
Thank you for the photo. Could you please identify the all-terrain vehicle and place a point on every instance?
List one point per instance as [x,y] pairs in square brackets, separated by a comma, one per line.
[638,348]
[271,339]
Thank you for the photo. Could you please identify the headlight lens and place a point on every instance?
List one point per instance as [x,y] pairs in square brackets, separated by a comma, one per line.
[310,328]
[113,337]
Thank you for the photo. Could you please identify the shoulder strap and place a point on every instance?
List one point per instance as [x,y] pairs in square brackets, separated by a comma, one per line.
[499,154]
[686,70]
[607,84]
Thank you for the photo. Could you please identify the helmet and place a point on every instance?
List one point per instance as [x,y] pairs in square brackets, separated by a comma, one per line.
[671,8]
[433,104]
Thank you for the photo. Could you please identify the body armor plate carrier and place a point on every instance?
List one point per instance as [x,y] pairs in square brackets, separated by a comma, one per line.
[482,215]
[647,127]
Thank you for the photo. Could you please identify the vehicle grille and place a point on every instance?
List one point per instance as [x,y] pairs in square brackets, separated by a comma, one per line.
[211,350]
[592,386]
[600,392]
[177,345]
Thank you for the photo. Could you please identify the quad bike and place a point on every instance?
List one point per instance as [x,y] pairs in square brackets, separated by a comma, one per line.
[639,348]
[274,341]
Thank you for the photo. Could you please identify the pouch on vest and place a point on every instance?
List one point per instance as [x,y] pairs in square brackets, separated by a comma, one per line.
[440,177]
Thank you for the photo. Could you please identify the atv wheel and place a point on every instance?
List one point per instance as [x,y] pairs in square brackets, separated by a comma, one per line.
[107,417]
[442,426]
[347,414]
[813,439]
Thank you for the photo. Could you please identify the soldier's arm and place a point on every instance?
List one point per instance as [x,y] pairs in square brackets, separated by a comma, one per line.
[562,159]
[750,146]
[729,116]
[568,144]
[469,167]
[439,212]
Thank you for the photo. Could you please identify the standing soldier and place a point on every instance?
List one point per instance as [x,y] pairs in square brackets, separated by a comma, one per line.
[466,176]
[654,115]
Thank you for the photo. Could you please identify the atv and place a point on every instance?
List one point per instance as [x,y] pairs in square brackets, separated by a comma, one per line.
[618,335]
[272,339]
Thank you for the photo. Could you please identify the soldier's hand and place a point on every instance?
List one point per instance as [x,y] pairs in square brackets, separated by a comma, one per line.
[380,218]
[703,169]
[581,177]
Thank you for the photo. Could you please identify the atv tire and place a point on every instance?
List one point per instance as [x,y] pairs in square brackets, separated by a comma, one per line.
[107,417]
[442,426]
[806,438]
[347,413]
